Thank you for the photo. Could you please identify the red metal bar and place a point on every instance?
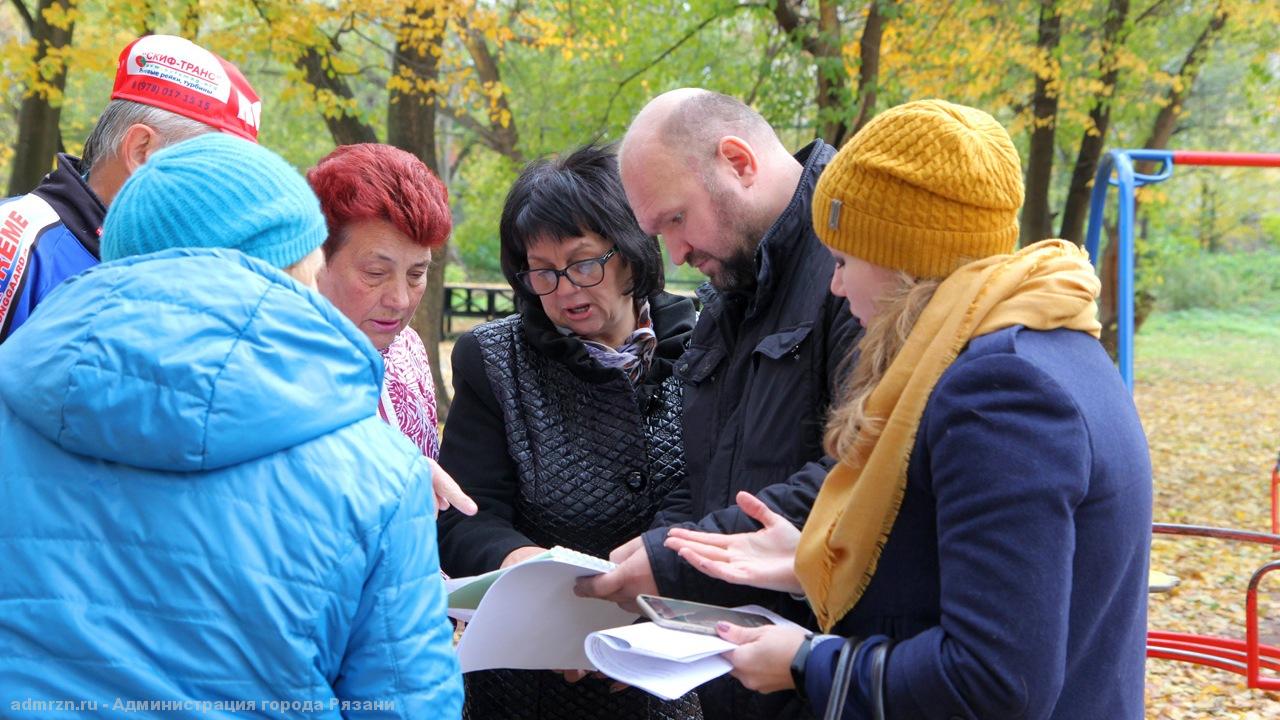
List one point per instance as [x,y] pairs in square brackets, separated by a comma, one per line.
[1251,628]
[1218,652]
[1275,500]
[1212,661]
[1275,503]
[1236,159]
[1164,637]
[1226,649]
[1215,532]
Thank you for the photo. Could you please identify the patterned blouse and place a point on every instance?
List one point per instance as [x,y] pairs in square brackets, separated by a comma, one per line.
[408,392]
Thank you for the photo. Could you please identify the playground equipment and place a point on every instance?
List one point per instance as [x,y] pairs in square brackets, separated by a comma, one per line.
[1275,500]
[1127,180]
[1249,657]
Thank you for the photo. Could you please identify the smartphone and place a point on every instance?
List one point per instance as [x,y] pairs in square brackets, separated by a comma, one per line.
[695,617]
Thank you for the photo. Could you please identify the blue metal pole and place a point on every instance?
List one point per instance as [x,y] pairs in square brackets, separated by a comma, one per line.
[1121,162]
[1097,203]
[1124,180]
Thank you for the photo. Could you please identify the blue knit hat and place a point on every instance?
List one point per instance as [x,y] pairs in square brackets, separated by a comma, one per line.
[215,191]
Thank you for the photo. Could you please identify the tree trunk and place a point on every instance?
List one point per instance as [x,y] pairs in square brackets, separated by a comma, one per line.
[822,41]
[316,64]
[1076,208]
[500,134]
[39,137]
[345,129]
[869,66]
[832,90]
[1208,231]
[1108,308]
[1036,220]
[1108,273]
[190,23]
[411,126]
[147,25]
[1167,119]
[1161,130]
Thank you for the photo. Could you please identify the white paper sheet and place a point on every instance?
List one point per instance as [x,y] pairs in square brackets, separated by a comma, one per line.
[661,661]
[667,679]
[531,620]
[653,640]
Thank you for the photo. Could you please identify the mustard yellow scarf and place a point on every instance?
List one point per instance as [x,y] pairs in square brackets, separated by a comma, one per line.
[1044,286]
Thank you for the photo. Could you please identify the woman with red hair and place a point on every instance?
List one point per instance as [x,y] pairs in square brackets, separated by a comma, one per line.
[386,211]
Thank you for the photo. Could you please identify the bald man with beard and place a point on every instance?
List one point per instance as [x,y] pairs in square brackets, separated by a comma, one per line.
[711,177]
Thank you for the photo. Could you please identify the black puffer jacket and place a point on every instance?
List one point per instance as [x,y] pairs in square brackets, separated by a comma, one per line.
[759,374]
[558,450]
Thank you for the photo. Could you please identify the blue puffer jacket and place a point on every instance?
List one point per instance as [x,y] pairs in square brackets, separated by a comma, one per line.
[202,514]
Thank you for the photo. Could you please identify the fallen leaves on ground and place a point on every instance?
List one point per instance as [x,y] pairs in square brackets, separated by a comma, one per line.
[1213,445]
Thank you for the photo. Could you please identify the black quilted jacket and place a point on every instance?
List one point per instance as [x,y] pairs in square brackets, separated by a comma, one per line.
[555,448]
[558,450]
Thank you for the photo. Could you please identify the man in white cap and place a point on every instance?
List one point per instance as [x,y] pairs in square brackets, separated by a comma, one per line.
[167,89]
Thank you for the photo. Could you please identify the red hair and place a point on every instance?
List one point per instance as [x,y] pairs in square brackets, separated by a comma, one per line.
[371,181]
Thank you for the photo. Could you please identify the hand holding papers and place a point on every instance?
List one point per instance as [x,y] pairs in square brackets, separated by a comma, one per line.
[527,617]
[661,661]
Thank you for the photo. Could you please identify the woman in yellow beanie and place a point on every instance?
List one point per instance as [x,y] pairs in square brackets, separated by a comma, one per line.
[982,544]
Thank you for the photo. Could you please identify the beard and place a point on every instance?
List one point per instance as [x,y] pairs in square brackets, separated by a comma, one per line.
[741,234]
[735,273]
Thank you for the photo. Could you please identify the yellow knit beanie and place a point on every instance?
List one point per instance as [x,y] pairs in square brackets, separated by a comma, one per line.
[924,188]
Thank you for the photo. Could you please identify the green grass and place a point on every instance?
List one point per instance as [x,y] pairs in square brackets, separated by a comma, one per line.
[1241,343]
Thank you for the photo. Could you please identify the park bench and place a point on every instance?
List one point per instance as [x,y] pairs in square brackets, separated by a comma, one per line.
[488,301]
[477,300]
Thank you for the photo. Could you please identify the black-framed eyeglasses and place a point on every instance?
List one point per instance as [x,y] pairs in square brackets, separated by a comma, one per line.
[583,274]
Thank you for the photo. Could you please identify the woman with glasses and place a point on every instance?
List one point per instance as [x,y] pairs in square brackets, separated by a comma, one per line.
[565,424]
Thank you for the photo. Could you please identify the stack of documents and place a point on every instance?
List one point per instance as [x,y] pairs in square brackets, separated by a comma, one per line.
[661,661]
[526,617]
[664,662]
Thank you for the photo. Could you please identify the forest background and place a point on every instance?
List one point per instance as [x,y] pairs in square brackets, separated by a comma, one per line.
[477,88]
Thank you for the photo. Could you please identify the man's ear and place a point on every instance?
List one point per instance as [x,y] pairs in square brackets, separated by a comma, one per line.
[741,159]
[137,145]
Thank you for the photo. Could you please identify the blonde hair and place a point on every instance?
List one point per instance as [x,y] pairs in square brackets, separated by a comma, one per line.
[886,333]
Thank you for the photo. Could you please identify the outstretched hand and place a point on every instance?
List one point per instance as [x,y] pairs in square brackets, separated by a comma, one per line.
[449,493]
[765,558]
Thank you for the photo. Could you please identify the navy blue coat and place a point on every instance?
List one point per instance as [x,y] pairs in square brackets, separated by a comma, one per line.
[1015,578]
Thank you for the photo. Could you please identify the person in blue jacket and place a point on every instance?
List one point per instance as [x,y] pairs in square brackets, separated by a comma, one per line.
[167,89]
[980,550]
[203,513]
